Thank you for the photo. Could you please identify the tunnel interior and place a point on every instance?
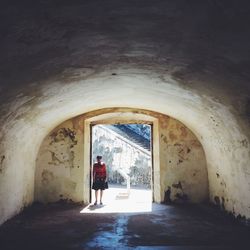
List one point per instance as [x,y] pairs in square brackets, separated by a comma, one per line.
[182,66]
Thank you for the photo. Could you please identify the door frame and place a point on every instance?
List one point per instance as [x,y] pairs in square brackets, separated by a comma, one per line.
[155,154]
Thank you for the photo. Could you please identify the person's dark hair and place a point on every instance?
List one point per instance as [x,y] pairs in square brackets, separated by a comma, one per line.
[99,157]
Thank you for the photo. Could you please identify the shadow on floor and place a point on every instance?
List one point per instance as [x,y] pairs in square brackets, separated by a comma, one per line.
[63,226]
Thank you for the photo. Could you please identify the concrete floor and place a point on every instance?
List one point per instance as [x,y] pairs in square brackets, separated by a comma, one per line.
[73,226]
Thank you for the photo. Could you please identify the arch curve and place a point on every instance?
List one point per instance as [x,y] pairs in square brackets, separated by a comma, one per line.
[30,120]
[179,164]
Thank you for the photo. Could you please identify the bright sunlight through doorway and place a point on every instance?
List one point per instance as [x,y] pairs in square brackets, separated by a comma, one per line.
[126,149]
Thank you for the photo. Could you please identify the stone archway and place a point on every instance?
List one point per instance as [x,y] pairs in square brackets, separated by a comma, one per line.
[63,163]
[123,116]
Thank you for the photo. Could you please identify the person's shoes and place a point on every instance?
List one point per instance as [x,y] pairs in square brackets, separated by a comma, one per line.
[100,203]
[95,203]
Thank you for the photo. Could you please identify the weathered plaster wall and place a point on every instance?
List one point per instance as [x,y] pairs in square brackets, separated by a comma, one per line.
[60,162]
[226,153]
[186,60]
[183,163]
[59,168]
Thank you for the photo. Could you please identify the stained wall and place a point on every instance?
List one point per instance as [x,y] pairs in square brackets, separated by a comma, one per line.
[59,170]
[183,163]
[60,163]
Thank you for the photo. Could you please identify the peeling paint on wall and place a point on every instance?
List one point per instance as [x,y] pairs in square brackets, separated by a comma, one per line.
[63,133]
[47,177]
[182,160]
[59,165]
[183,163]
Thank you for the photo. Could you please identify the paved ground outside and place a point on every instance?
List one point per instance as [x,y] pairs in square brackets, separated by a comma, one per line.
[119,199]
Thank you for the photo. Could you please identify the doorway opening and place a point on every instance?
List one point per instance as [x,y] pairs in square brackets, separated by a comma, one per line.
[126,150]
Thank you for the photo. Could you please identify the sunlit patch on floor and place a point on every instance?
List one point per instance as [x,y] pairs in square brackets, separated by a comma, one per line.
[119,200]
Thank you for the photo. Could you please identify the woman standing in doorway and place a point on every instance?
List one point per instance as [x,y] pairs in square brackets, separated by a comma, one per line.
[99,178]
